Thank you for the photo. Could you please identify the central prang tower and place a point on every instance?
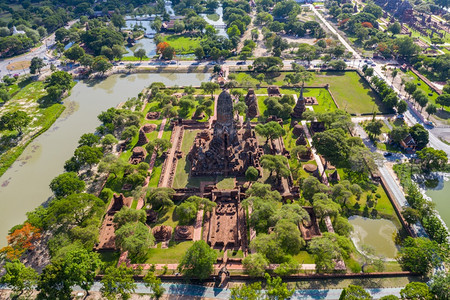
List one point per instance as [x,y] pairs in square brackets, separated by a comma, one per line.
[225,152]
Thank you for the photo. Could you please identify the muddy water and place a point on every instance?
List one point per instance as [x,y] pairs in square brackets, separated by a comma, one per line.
[440,196]
[26,183]
[377,234]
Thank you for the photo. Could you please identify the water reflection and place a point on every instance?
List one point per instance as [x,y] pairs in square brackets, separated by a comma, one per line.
[25,185]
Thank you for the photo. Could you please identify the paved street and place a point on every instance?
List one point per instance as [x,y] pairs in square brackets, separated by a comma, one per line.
[218,293]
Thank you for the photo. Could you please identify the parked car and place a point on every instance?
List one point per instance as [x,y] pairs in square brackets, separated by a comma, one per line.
[429,123]
[173,62]
[387,154]
[240,63]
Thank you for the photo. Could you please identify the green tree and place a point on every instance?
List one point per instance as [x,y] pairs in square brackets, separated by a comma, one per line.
[440,283]
[271,130]
[406,46]
[118,281]
[129,132]
[289,237]
[374,128]
[325,207]
[158,145]
[140,53]
[420,135]
[332,145]
[395,28]
[108,141]
[275,164]
[168,52]
[101,64]
[74,209]
[276,289]
[53,282]
[252,174]
[186,211]
[88,139]
[354,292]
[255,264]
[306,52]
[37,64]
[198,261]
[247,291]
[443,100]
[311,185]
[420,255]
[66,184]
[74,53]
[160,198]
[80,267]
[118,20]
[432,159]
[86,155]
[402,106]
[4,95]
[410,88]
[199,53]
[128,215]
[134,238]
[209,87]
[60,79]
[431,109]
[20,278]
[416,291]
[154,283]
[411,215]
[16,120]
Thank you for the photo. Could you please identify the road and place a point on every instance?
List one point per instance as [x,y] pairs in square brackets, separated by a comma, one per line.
[219,293]
[40,51]
[411,117]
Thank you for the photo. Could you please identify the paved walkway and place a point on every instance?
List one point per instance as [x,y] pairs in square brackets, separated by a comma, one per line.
[198,226]
[316,157]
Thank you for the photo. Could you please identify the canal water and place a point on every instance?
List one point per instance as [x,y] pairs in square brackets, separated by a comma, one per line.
[25,185]
[441,196]
[378,234]
[149,45]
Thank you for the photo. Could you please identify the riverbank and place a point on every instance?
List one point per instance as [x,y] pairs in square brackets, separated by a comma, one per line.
[29,99]
[45,156]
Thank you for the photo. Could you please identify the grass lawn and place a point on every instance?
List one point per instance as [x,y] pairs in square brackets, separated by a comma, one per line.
[181,178]
[213,17]
[350,91]
[226,183]
[182,44]
[171,255]
[411,77]
[304,257]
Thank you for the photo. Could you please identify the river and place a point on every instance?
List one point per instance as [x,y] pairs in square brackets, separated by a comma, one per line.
[25,185]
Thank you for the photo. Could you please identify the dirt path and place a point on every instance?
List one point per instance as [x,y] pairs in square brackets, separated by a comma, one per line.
[247,34]
[170,157]
[198,226]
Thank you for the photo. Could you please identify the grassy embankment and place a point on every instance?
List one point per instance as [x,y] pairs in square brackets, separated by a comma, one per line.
[28,96]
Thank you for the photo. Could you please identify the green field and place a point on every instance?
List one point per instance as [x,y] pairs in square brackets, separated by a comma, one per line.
[182,44]
[350,91]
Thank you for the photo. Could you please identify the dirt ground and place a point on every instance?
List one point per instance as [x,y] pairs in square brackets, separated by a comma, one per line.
[19,65]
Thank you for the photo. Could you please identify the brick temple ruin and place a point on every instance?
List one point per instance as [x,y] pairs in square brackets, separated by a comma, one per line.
[224,228]
[226,150]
